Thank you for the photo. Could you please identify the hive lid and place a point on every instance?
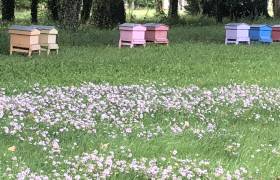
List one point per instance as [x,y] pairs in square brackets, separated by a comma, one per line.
[260,25]
[22,28]
[130,25]
[40,27]
[237,26]
[277,26]
[156,26]
[46,29]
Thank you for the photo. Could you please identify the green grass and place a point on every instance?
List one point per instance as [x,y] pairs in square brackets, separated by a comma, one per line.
[196,55]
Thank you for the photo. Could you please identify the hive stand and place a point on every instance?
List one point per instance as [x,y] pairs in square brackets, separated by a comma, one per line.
[24,39]
[131,35]
[156,33]
[237,33]
[47,38]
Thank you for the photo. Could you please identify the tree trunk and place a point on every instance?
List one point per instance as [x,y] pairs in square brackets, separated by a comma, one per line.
[69,14]
[108,13]
[276,8]
[219,11]
[8,10]
[173,9]
[87,6]
[53,8]
[34,11]
[159,8]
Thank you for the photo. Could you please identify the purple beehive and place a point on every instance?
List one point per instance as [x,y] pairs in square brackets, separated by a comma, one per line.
[132,34]
[236,33]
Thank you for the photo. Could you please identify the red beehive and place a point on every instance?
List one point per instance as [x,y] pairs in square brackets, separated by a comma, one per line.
[156,33]
[276,33]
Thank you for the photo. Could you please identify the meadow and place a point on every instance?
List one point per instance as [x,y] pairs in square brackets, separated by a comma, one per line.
[194,109]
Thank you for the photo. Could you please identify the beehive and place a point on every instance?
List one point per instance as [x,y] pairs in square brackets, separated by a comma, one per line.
[261,33]
[157,33]
[132,34]
[237,33]
[276,33]
[48,38]
[24,39]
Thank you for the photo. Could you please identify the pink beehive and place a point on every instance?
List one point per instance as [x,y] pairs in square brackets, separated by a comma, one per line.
[132,34]
[156,33]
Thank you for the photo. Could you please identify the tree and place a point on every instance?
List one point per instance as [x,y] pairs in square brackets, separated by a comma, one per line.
[108,13]
[276,8]
[34,11]
[159,8]
[69,14]
[234,9]
[53,8]
[173,9]
[87,6]
[8,10]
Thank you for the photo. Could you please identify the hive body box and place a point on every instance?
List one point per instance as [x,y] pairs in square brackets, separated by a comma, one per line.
[132,34]
[48,36]
[24,39]
[157,33]
[276,33]
[236,33]
[261,33]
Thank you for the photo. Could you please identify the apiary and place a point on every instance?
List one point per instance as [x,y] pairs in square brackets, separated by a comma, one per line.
[132,34]
[48,38]
[237,33]
[156,33]
[24,39]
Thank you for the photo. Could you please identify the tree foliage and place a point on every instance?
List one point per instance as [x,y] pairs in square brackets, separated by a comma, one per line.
[34,11]
[108,13]
[8,10]
[233,9]
[69,13]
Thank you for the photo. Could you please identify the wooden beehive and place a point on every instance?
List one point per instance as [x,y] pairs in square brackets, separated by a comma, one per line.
[261,33]
[48,37]
[24,39]
[237,33]
[132,34]
[276,33]
[157,33]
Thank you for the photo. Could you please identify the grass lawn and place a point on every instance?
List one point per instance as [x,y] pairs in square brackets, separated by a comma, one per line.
[190,109]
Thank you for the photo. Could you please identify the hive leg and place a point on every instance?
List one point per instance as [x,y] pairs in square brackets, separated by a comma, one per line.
[56,51]
[131,45]
[39,51]
[48,51]
[120,43]
[29,52]
[11,50]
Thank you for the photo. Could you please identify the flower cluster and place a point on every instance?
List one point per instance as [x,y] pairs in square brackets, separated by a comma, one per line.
[43,114]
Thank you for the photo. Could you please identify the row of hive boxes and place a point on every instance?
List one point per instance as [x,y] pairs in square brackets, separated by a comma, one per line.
[140,34]
[32,38]
[241,32]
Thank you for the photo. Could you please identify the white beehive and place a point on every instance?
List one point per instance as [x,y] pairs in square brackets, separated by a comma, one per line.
[48,37]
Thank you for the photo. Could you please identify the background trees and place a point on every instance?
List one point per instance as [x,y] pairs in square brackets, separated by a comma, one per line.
[108,13]
[8,10]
